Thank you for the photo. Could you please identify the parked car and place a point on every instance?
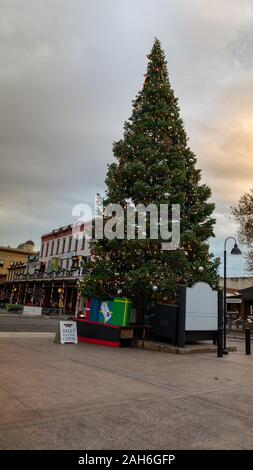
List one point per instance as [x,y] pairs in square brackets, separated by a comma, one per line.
[82,313]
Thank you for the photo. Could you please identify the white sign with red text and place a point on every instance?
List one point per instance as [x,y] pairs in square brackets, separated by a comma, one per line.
[67,332]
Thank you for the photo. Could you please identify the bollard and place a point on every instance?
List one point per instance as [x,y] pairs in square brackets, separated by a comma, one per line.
[247,341]
[220,342]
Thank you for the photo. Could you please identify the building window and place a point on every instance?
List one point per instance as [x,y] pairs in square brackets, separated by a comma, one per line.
[1,263]
[67,264]
[42,250]
[57,247]
[52,248]
[70,242]
[83,242]
[42,266]
[47,248]
[63,245]
[76,244]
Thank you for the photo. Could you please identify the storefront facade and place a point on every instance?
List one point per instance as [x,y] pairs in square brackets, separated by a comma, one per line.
[51,280]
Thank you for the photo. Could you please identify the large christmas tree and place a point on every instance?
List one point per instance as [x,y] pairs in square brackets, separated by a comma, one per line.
[154,165]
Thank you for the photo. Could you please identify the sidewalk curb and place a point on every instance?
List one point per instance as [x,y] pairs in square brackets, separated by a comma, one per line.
[25,334]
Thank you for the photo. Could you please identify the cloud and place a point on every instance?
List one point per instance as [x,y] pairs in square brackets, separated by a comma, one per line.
[69,70]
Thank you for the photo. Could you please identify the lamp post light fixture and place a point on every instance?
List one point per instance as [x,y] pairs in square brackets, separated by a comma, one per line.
[235,251]
[155,289]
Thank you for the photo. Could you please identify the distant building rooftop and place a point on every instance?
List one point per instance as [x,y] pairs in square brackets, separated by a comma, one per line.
[23,248]
[27,246]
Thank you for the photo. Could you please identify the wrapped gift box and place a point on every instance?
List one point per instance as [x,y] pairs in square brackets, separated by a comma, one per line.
[95,305]
[121,312]
[111,312]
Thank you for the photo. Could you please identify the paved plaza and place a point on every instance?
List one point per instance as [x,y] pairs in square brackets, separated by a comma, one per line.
[92,397]
[17,322]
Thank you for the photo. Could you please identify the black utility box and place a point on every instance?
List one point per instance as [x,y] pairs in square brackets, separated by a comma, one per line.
[165,322]
[196,317]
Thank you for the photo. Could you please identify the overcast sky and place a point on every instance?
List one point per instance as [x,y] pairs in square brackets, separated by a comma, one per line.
[68,72]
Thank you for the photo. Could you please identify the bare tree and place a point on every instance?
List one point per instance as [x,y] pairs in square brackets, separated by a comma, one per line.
[243,215]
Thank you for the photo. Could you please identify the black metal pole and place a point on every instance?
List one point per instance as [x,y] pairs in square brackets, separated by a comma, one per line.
[220,342]
[225,302]
[247,342]
[220,325]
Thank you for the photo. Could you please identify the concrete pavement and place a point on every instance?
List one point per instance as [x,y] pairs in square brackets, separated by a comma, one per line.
[91,397]
[17,322]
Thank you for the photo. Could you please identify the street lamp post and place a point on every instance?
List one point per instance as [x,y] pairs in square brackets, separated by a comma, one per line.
[155,289]
[235,251]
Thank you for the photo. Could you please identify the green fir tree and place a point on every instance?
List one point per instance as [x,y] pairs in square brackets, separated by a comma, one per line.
[154,165]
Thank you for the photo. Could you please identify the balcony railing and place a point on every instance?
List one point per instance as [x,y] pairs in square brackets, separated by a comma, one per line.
[56,274]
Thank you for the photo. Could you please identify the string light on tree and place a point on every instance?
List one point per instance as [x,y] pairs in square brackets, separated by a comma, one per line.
[154,164]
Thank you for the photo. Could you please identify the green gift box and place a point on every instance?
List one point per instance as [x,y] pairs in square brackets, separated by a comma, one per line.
[121,312]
